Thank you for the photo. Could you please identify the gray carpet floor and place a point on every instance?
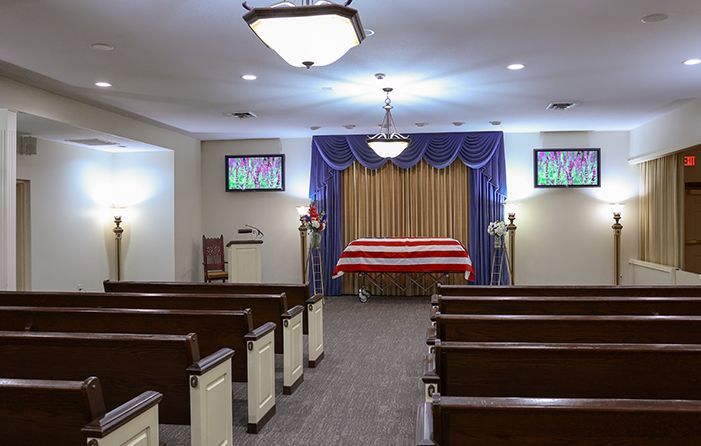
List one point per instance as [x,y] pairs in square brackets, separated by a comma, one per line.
[365,391]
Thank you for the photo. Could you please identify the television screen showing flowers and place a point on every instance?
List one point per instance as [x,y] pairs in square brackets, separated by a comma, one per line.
[567,167]
[255,173]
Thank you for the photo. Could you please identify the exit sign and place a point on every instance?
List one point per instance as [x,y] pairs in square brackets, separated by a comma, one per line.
[689,160]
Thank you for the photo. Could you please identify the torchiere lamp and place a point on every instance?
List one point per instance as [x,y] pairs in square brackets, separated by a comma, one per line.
[118,231]
[617,227]
[511,209]
[302,211]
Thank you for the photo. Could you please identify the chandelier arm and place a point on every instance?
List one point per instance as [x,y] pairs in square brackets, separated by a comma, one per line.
[246,6]
[348,2]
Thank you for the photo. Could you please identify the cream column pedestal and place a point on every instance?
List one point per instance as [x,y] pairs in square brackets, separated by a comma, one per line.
[8,198]
[244,258]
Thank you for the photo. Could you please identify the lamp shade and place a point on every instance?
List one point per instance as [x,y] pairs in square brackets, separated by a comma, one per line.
[302,210]
[388,148]
[317,35]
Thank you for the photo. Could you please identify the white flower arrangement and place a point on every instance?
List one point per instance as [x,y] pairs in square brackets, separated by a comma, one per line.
[497,228]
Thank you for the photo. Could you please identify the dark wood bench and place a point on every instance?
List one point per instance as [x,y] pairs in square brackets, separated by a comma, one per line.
[570,290]
[566,329]
[642,371]
[601,305]
[196,390]
[297,294]
[214,330]
[264,308]
[456,421]
[73,413]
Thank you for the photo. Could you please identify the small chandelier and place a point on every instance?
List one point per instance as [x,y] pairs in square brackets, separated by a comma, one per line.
[388,143]
[311,34]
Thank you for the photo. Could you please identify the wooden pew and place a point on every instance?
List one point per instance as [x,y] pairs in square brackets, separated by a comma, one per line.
[566,329]
[456,421]
[214,330]
[264,308]
[583,305]
[196,390]
[72,413]
[549,370]
[297,294]
[571,290]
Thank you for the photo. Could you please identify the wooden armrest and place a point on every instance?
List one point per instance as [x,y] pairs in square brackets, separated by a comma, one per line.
[430,375]
[292,312]
[120,416]
[431,335]
[434,299]
[434,313]
[259,332]
[424,425]
[315,298]
[208,363]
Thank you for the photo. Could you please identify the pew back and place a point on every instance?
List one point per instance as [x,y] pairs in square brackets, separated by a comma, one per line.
[603,305]
[214,329]
[566,329]
[634,371]
[127,365]
[570,290]
[547,422]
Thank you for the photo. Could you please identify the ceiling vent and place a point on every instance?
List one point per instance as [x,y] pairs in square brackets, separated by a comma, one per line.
[92,142]
[561,106]
[241,115]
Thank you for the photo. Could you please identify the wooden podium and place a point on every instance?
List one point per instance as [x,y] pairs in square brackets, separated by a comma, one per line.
[244,258]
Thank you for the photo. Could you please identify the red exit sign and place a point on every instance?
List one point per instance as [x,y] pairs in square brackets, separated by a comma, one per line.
[689,160]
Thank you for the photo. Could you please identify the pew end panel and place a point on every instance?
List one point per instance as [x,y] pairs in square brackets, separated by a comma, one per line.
[134,423]
[315,323]
[211,399]
[293,358]
[260,351]
[430,378]
[424,425]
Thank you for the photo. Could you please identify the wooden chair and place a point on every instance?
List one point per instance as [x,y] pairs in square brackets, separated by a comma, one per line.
[213,259]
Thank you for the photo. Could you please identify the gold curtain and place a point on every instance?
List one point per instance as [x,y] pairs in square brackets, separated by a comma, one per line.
[660,207]
[396,202]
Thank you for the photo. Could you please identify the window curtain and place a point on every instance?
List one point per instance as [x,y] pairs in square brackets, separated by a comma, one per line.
[660,205]
[481,152]
[396,202]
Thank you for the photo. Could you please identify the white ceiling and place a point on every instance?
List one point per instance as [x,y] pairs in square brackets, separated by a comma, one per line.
[179,62]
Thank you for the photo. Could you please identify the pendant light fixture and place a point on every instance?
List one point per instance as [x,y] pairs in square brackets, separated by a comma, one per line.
[315,34]
[388,143]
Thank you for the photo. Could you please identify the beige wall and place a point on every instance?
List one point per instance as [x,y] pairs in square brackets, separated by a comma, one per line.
[273,212]
[188,211]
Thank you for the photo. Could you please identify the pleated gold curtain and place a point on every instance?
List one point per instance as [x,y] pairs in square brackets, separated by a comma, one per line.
[396,202]
[660,207]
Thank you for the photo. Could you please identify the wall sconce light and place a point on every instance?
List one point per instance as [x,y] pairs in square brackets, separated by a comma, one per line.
[118,231]
[511,209]
[616,209]
[302,211]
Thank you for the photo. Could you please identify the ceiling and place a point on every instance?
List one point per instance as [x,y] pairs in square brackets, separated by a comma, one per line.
[50,130]
[179,62]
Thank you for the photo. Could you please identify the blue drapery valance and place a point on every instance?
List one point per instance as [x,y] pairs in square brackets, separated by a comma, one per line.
[482,152]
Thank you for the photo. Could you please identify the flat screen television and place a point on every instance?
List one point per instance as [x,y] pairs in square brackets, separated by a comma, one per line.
[246,173]
[567,167]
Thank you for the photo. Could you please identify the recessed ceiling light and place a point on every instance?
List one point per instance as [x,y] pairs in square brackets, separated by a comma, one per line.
[691,62]
[249,77]
[421,124]
[495,123]
[654,18]
[369,32]
[102,47]
[349,126]
[458,123]
[315,127]
[516,66]
[103,84]
[327,88]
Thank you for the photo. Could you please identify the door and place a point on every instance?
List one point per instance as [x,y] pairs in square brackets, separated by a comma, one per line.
[24,276]
[692,229]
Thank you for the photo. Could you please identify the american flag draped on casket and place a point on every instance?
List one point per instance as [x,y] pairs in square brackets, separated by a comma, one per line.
[405,255]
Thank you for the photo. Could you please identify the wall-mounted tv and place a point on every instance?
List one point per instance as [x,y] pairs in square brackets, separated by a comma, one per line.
[246,173]
[567,167]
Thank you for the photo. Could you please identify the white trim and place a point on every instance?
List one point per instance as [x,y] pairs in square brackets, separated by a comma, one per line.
[655,266]
[8,197]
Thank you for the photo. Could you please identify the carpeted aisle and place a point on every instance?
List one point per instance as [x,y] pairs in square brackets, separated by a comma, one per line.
[366,389]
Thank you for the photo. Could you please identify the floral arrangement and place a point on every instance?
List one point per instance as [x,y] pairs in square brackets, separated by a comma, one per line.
[497,228]
[314,220]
